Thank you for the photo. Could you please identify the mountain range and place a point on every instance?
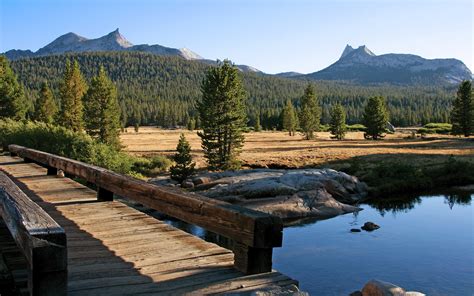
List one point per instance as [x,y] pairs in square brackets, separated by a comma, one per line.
[357,65]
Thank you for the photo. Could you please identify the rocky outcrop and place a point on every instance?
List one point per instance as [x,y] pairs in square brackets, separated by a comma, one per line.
[381,288]
[289,194]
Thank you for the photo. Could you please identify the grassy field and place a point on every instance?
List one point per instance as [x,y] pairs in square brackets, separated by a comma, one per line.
[278,150]
[398,164]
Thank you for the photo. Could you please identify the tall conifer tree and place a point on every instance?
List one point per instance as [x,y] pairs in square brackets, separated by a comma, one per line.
[12,98]
[462,115]
[102,111]
[72,91]
[375,118]
[310,114]
[337,126]
[46,108]
[289,118]
[223,116]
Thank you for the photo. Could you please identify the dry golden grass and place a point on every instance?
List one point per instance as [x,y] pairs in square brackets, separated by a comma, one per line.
[277,149]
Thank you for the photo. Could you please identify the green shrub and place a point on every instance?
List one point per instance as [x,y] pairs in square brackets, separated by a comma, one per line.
[61,141]
[151,166]
[435,128]
[324,128]
[356,128]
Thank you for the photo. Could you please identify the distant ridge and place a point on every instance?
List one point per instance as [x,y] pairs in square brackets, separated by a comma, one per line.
[362,66]
[114,41]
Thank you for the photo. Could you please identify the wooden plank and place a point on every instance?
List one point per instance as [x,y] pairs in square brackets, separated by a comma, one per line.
[41,239]
[117,286]
[243,283]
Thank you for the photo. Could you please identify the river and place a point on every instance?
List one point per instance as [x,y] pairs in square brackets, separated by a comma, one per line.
[425,243]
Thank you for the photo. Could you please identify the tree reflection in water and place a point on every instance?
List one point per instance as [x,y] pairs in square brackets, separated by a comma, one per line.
[405,204]
[462,198]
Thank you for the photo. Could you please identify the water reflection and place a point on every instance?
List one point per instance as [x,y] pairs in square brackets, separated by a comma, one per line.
[395,205]
[463,199]
[406,204]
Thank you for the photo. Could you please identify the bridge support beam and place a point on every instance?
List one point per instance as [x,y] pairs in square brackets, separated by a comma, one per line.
[52,171]
[252,260]
[104,194]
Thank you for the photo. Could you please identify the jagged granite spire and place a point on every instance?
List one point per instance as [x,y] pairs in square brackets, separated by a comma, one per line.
[346,51]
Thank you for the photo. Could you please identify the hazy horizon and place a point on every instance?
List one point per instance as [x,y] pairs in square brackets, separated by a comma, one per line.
[272,36]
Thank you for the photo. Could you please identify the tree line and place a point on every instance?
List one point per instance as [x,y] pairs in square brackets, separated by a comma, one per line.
[79,106]
[163,91]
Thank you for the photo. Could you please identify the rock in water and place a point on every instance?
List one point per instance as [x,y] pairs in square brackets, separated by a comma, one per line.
[187,184]
[380,288]
[355,230]
[370,226]
[290,194]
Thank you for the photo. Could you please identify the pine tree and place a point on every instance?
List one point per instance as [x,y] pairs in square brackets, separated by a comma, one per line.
[191,124]
[184,166]
[72,91]
[223,116]
[12,99]
[375,118]
[337,126]
[462,115]
[46,108]
[257,127]
[102,111]
[289,118]
[310,114]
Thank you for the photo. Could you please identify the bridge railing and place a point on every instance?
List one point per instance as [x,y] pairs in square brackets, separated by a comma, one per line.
[254,233]
[39,237]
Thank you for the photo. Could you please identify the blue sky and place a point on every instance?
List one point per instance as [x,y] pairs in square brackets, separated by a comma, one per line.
[273,36]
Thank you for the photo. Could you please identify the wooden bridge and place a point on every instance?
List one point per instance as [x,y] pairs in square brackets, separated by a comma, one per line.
[60,237]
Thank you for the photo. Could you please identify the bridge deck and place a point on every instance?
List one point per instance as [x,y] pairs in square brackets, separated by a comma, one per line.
[115,249]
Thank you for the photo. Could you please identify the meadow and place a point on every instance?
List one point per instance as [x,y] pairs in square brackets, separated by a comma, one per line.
[276,149]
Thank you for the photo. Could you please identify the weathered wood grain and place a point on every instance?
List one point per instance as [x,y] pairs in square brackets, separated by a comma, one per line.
[41,239]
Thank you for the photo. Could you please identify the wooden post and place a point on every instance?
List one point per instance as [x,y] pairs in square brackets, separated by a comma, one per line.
[52,171]
[104,194]
[48,273]
[252,260]
[27,160]
[12,154]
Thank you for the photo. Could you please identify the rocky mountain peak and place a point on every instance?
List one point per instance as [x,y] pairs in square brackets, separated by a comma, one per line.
[365,50]
[346,51]
[115,36]
[360,52]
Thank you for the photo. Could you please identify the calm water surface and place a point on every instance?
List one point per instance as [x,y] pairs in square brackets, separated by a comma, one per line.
[424,243]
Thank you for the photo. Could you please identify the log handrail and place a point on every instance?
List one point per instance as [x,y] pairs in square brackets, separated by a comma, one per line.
[254,233]
[39,237]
